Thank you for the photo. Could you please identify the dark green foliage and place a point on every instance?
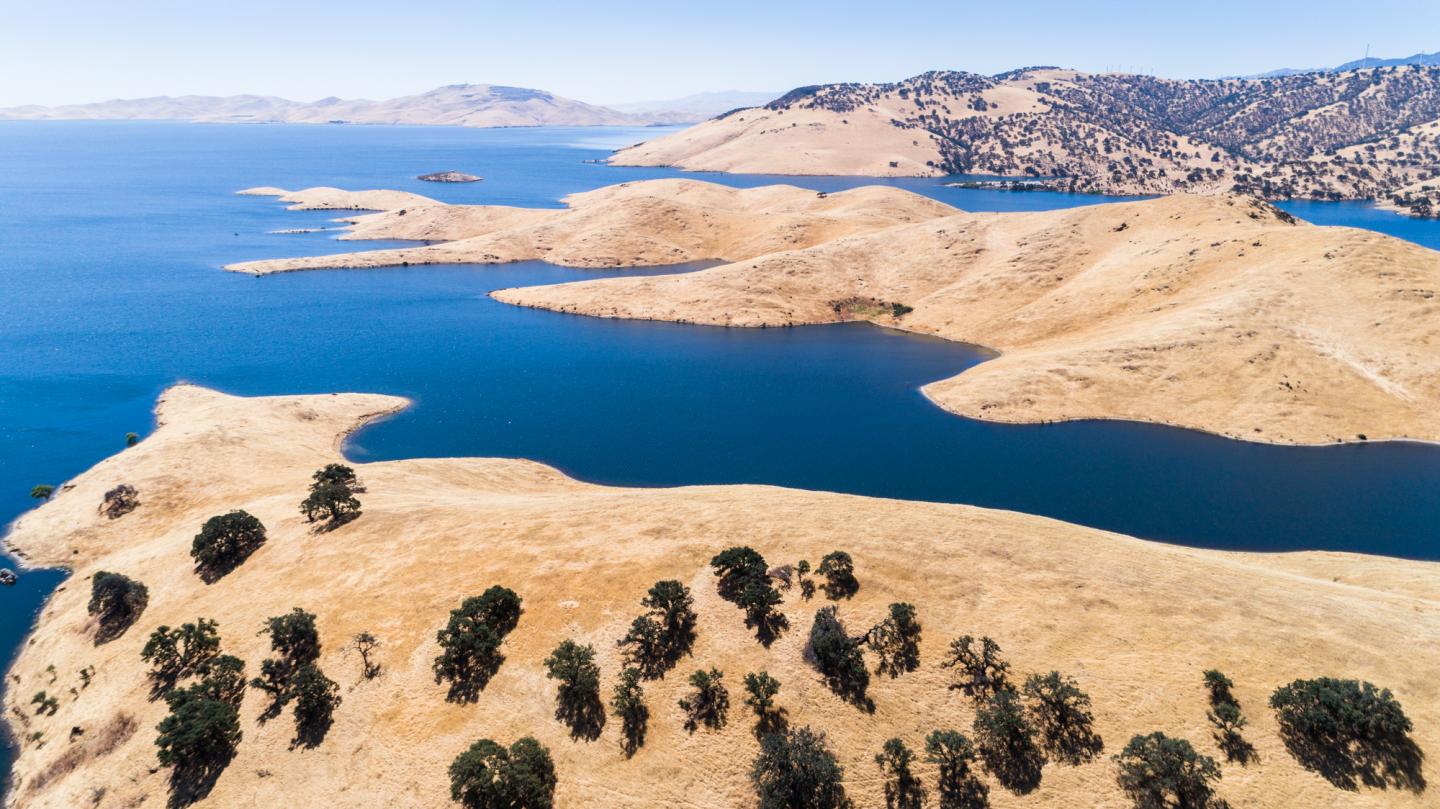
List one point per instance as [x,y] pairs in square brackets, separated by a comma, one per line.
[1062,713]
[224,542]
[577,700]
[744,580]
[1350,732]
[979,670]
[958,787]
[807,584]
[839,571]
[736,567]
[657,640]
[470,642]
[333,503]
[197,740]
[295,644]
[1158,772]
[628,705]
[487,776]
[1226,717]
[796,770]
[131,439]
[45,703]
[838,657]
[708,702]
[316,698]
[896,641]
[221,677]
[177,653]
[335,473]
[42,491]
[760,691]
[1006,742]
[116,601]
[902,787]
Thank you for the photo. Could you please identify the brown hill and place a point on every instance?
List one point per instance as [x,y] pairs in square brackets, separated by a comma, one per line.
[1356,134]
[1134,622]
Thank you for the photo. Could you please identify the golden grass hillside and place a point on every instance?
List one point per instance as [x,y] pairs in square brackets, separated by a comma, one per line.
[1217,313]
[646,223]
[1135,622]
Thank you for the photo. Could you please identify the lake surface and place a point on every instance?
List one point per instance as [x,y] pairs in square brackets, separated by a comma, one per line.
[111,239]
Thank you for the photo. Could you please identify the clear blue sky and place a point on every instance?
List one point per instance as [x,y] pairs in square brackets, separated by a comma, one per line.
[62,51]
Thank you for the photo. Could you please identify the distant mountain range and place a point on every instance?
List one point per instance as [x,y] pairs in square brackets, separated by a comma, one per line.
[1358,134]
[475,105]
[1427,59]
[700,106]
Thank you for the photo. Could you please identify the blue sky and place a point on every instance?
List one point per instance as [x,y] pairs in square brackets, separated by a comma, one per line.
[60,51]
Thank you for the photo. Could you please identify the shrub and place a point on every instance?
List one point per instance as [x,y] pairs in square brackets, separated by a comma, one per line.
[708,702]
[42,491]
[177,653]
[470,642]
[628,704]
[119,501]
[1006,742]
[896,641]
[487,776]
[796,770]
[224,542]
[902,788]
[1157,772]
[1348,731]
[1062,712]
[838,657]
[578,697]
[116,601]
[316,698]
[839,572]
[953,754]
[979,672]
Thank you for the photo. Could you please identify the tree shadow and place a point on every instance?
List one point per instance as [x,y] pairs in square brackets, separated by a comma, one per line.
[191,783]
[328,525]
[584,715]
[772,721]
[310,732]
[768,627]
[211,573]
[467,688]
[1016,768]
[1389,762]
[905,792]
[632,730]
[1236,748]
[1074,743]
[966,793]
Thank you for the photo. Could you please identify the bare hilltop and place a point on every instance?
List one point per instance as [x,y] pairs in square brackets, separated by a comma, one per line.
[1356,134]
[1219,313]
[1131,624]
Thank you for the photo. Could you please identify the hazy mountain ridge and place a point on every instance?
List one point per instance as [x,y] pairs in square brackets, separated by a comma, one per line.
[1428,59]
[474,105]
[1354,135]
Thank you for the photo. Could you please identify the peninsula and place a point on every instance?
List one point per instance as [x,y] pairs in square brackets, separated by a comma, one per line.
[1134,624]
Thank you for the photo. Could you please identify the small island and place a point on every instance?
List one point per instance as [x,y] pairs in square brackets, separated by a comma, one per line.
[449,177]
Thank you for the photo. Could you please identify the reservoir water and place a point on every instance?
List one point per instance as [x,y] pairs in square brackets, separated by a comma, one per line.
[111,239]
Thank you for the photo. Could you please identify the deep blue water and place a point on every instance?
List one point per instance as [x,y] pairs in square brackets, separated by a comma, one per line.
[111,239]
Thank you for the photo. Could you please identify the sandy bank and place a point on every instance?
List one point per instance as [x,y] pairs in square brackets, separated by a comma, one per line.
[649,223]
[1135,622]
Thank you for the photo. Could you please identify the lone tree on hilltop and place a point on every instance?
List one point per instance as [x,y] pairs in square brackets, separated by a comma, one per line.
[470,642]
[1158,772]
[488,776]
[958,786]
[708,702]
[839,571]
[979,670]
[796,769]
[902,787]
[1350,732]
[896,641]
[224,542]
[116,601]
[838,658]
[628,705]
[1006,742]
[578,697]
[1062,712]
[181,652]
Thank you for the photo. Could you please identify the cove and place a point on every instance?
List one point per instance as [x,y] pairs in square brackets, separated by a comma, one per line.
[110,290]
